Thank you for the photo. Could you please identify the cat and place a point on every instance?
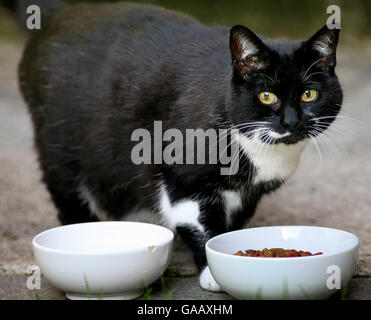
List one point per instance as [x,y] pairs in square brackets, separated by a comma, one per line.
[95,73]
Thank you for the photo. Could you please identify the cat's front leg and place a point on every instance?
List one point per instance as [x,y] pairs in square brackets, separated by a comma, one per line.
[196,222]
[197,239]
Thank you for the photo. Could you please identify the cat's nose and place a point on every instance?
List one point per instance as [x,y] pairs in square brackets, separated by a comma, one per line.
[290,119]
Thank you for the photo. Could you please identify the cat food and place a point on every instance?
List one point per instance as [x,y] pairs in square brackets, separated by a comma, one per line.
[276,253]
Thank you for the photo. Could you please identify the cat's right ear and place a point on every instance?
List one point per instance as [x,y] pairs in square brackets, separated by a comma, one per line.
[247,50]
[323,43]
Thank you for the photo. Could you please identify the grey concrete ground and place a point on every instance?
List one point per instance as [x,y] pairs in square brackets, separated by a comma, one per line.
[334,191]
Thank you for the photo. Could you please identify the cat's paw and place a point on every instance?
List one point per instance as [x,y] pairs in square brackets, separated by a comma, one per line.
[207,281]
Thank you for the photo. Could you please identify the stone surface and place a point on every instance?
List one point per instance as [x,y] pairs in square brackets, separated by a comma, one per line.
[359,289]
[14,287]
[332,192]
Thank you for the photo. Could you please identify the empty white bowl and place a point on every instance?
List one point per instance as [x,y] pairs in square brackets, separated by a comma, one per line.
[103,260]
[311,277]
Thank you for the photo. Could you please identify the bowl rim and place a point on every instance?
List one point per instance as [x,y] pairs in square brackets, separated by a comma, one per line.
[38,246]
[279,259]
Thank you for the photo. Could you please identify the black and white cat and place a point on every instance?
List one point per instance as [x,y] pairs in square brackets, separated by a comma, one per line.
[95,73]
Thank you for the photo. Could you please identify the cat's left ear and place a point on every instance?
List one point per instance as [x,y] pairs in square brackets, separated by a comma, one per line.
[324,43]
[248,52]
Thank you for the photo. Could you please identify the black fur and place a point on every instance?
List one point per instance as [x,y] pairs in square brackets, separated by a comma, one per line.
[97,72]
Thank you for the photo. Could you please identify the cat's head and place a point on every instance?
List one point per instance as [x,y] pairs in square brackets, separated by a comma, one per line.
[284,91]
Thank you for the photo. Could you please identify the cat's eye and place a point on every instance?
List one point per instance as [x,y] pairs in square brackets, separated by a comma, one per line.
[267,97]
[309,95]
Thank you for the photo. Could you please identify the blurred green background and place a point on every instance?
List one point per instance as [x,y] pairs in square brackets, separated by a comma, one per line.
[273,18]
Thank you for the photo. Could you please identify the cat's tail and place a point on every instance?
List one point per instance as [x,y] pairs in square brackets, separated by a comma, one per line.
[19,9]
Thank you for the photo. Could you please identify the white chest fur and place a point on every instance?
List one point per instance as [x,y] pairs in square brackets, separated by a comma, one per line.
[272,161]
[232,202]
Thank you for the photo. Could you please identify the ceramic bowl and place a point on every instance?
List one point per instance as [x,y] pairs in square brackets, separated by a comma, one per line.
[311,277]
[103,260]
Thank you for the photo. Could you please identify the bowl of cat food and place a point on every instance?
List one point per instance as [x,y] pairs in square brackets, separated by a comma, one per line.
[283,262]
[103,260]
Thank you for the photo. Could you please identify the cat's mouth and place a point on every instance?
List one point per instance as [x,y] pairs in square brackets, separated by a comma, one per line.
[272,136]
[291,139]
[287,137]
[277,135]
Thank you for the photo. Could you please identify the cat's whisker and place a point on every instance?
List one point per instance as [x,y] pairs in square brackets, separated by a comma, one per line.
[268,144]
[340,116]
[265,75]
[334,140]
[315,62]
[329,128]
[241,126]
[276,73]
[263,135]
[333,124]
[222,135]
[321,140]
[325,117]
[249,127]
[313,74]
[265,144]
[228,145]
[344,114]
[233,140]
[249,124]
[327,139]
[234,158]
[314,139]
[255,133]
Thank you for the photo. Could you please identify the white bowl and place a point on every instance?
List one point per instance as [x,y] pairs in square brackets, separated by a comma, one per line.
[103,260]
[311,277]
